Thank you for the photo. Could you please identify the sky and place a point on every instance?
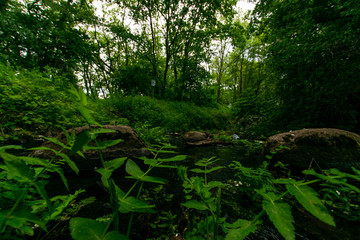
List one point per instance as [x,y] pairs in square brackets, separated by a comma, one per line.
[244,5]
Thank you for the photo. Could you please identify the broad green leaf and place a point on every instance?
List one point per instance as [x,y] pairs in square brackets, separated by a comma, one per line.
[307,197]
[56,141]
[150,161]
[115,163]
[3,148]
[173,159]
[115,235]
[151,179]
[133,169]
[131,204]
[213,184]
[81,140]
[87,114]
[62,176]
[105,175]
[280,215]
[86,229]
[195,204]
[197,170]
[65,201]
[109,143]
[41,190]
[22,216]
[17,168]
[69,162]
[240,230]
[102,130]
[214,169]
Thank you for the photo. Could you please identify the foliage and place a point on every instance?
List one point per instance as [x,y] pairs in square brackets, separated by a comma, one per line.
[36,35]
[33,101]
[311,58]
[203,195]
[172,116]
[25,204]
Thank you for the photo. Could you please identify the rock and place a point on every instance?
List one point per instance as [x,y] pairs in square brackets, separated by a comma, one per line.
[321,148]
[196,138]
[132,146]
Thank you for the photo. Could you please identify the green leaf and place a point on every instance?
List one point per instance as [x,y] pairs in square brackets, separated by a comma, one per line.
[17,168]
[115,163]
[133,169]
[87,114]
[81,140]
[102,130]
[65,201]
[69,162]
[240,229]
[86,229]
[197,170]
[62,176]
[131,204]
[3,148]
[280,215]
[214,169]
[108,143]
[56,141]
[307,197]
[151,179]
[173,159]
[115,235]
[195,204]
[41,190]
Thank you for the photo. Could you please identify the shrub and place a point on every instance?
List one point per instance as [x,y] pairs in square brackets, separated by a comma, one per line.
[33,101]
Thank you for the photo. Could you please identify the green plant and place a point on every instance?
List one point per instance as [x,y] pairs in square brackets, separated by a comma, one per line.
[200,195]
[121,201]
[24,202]
[276,196]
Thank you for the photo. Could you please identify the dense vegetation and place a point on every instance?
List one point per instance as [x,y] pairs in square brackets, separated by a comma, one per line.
[169,66]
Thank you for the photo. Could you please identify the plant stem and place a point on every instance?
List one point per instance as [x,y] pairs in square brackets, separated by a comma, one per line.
[132,213]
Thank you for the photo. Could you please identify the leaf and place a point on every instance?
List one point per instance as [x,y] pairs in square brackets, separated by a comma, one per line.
[102,130]
[41,190]
[173,159]
[3,148]
[133,169]
[86,229]
[214,169]
[241,229]
[17,168]
[308,199]
[86,113]
[56,141]
[65,201]
[115,163]
[69,162]
[151,179]
[108,143]
[195,204]
[62,176]
[115,235]
[280,215]
[131,204]
[197,170]
[81,140]
[22,216]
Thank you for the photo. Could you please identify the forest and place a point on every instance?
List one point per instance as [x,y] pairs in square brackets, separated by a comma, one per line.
[164,68]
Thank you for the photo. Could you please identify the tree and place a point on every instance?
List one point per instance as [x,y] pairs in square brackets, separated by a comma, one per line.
[40,34]
[313,57]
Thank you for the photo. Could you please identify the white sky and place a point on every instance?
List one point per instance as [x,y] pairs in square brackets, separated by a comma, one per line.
[244,5]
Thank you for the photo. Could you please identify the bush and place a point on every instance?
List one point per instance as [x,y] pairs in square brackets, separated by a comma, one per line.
[35,102]
[172,116]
